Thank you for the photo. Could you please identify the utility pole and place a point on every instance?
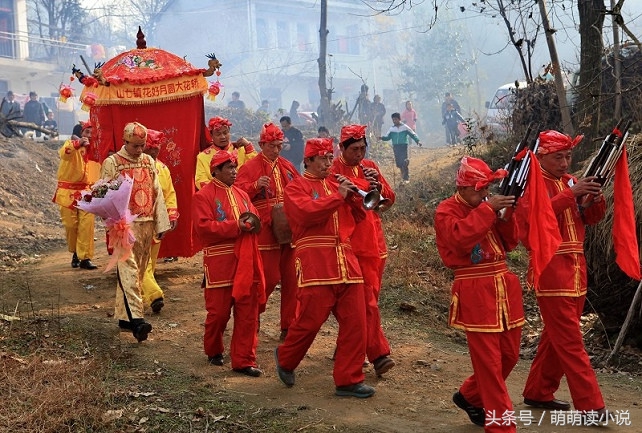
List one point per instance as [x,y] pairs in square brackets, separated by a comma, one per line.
[324,115]
[617,65]
[567,123]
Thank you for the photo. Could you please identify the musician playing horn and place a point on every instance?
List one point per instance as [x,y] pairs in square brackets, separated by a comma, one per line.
[264,179]
[472,239]
[323,210]
[368,241]
[561,290]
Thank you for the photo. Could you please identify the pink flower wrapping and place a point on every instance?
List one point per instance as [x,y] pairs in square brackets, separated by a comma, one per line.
[113,208]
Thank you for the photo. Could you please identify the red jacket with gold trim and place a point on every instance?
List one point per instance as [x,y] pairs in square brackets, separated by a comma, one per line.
[486,296]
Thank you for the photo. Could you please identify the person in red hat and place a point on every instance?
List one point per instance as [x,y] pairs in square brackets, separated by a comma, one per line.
[472,239]
[152,219]
[323,210]
[264,179]
[152,293]
[77,172]
[561,289]
[219,130]
[368,241]
[226,223]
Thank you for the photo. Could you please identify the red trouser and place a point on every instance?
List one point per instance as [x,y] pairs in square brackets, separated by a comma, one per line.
[561,352]
[316,303]
[493,355]
[377,344]
[278,266]
[218,303]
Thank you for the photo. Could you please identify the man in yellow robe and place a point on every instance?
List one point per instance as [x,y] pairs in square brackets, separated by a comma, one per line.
[152,292]
[219,129]
[76,173]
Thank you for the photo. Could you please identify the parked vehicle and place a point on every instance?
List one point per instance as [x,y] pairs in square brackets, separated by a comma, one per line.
[500,107]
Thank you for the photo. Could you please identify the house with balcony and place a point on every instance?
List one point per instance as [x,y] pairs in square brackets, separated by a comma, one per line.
[269,48]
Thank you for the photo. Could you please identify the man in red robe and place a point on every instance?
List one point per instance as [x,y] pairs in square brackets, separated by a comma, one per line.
[264,179]
[472,239]
[368,241]
[233,271]
[219,130]
[561,290]
[322,211]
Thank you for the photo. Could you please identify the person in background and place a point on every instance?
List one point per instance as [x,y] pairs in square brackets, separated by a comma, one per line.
[378,111]
[322,211]
[398,134]
[152,293]
[448,100]
[409,116]
[451,120]
[472,238]
[219,129]
[292,142]
[324,132]
[561,291]
[368,241]
[294,113]
[264,179]
[152,219]
[232,266]
[50,123]
[77,172]
[236,102]
[33,112]
[264,108]
[10,105]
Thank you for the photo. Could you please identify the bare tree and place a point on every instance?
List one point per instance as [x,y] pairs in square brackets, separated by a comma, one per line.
[57,20]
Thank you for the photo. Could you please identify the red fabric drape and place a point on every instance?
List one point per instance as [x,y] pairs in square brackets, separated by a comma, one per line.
[544,236]
[182,123]
[625,242]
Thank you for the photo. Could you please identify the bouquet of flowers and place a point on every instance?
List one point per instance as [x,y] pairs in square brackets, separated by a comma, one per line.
[110,201]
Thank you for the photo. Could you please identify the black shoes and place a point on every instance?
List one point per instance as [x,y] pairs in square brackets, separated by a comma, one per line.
[157,305]
[87,264]
[249,371]
[216,359]
[75,261]
[383,364]
[552,405]
[287,377]
[476,414]
[140,329]
[359,390]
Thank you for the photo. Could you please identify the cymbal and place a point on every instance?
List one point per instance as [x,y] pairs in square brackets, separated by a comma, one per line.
[252,219]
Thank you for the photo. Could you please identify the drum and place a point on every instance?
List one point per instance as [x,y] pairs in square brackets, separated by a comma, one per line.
[280,226]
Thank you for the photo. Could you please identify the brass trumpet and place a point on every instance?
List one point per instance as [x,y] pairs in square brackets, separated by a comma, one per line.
[371,199]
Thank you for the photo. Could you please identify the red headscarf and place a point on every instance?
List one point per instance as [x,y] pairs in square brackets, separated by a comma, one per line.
[317,147]
[356,132]
[85,125]
[475,172]
[270,132]
[221,157]
[154,139]
[216,123]
[552,141]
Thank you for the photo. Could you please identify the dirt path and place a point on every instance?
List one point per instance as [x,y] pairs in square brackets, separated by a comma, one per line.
[414,396]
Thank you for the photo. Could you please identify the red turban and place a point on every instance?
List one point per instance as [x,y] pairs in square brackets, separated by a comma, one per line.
[85,125]
[356,132]
[552,141]
[475,172]
[318,147]
[154,139]
[216,123]
[270,132]
[221,157]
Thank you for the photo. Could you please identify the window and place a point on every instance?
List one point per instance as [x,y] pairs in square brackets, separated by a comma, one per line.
[283,35]
[262,34]
[303,37]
